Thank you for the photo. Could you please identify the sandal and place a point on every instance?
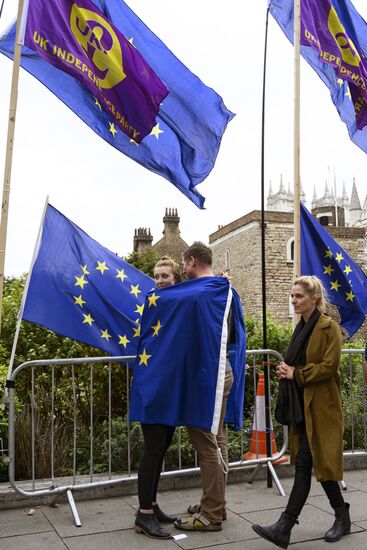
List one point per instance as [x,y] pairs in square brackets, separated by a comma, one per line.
[197,522]
[195,509]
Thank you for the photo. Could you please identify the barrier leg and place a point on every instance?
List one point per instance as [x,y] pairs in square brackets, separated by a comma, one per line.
[73,508]
[254,473]
[276,479]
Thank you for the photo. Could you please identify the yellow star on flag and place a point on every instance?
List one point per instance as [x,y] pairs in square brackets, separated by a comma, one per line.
[139,309]
[123,340]
[335,285]
[156,131]
[88,319]
[112,129]
[101,266]
[153,300]
[328,253]
[135,290]
[340,81]
[136,332]
[98,103]
[131,40]
[156,328]
[347,270]
[350,296]
[348,94]
[339,257]
[328,269]
[85,270]
[80,281]
[79,300]
[105,335]
[121,275]
[144,358]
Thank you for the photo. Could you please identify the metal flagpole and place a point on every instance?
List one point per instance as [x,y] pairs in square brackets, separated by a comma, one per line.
[296,143]
[25,291]
[9,154]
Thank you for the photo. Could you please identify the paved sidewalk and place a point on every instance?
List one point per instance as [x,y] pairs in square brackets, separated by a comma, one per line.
[107,524]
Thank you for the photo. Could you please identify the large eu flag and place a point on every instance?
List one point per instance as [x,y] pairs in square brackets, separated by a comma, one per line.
[178,377]
[81,290]
[343,279]
[183,145]
[333,42]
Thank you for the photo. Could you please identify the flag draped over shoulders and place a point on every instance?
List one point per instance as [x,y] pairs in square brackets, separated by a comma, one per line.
[178,376]
[343,279]
[80,289]
[183,145]
[333,41]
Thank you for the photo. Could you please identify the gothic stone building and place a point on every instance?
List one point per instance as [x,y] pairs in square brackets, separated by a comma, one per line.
[237,249]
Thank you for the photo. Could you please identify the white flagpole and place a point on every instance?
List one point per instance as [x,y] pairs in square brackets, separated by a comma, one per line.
[9,154]
[297,143]
[25,290]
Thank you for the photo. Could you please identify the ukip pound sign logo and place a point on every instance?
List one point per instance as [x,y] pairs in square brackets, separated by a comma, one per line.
[100,43]
[346,47]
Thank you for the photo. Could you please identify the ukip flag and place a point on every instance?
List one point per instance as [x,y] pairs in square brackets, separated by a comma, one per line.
[178,376]
[333,42]
[77,38]
[343,279]
[81,290]
[183,145]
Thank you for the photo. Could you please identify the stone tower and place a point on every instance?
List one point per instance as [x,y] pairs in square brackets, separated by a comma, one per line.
[142,239]
[171,242]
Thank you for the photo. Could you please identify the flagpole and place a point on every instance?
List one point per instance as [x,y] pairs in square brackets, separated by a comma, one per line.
[25,291]
[296,142]
[9,155]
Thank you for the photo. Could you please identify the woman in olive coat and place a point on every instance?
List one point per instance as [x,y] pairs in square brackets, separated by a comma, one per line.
[310,403]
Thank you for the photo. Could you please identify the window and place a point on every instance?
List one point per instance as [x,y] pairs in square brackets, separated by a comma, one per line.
[227,261]
[290,249]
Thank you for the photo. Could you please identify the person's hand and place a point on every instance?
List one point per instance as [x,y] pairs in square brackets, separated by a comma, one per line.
[285,371]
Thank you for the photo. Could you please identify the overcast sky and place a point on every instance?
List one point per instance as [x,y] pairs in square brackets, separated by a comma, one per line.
[109,195]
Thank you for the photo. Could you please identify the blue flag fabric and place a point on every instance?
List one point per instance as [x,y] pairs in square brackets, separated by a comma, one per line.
[184,144]
[349,36]
[343,279]
[178,377]
[81,290]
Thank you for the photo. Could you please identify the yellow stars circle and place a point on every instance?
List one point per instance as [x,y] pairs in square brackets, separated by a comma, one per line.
[328,253]
[347,270]
[144,358]
[85,270]
[101,266]
[80,281]
[123,340]
[112,129]
[156,328]
[136,332]
[153,300]
[79,300]
[350,296]
[105,334]
[139,309]
[88,319]
[156,131]
[135,290]
[97,103]
[121,275]
[328,269]
[339,257]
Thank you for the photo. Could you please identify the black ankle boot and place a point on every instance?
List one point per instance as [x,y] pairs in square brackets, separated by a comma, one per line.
[280,532]
[341,524]
[148,524]
[161,516]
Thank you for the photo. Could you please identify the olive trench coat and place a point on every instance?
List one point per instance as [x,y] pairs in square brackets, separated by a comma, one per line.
[322,401]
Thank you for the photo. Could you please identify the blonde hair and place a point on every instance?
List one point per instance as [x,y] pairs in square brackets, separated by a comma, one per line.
[313,286]
[166,261]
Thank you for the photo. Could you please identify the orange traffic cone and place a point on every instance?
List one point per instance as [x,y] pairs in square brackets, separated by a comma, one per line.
[258,438]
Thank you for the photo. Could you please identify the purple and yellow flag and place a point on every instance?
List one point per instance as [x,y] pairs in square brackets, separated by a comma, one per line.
[77,38]
[328,27]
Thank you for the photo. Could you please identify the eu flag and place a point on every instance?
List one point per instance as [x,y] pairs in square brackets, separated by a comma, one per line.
[333,42]
[343,279]
[178,376]
[183,145]
[81,290]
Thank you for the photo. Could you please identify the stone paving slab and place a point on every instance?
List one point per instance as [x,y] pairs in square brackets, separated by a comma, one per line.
[118,540]
[17,522]
[39,541]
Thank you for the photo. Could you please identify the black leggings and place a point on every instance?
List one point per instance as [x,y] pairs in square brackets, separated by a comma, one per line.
[302,482]
[157,439]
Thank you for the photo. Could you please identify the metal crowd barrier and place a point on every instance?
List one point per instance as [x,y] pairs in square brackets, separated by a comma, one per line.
[54,370]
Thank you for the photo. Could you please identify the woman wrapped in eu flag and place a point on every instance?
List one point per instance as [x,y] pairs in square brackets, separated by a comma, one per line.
[310,404]
[157,439]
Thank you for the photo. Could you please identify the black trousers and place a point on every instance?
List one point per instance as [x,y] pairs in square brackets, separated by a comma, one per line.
[302,482]
[157,439]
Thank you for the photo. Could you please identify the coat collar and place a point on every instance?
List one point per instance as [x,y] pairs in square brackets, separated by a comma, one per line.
[324,321]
